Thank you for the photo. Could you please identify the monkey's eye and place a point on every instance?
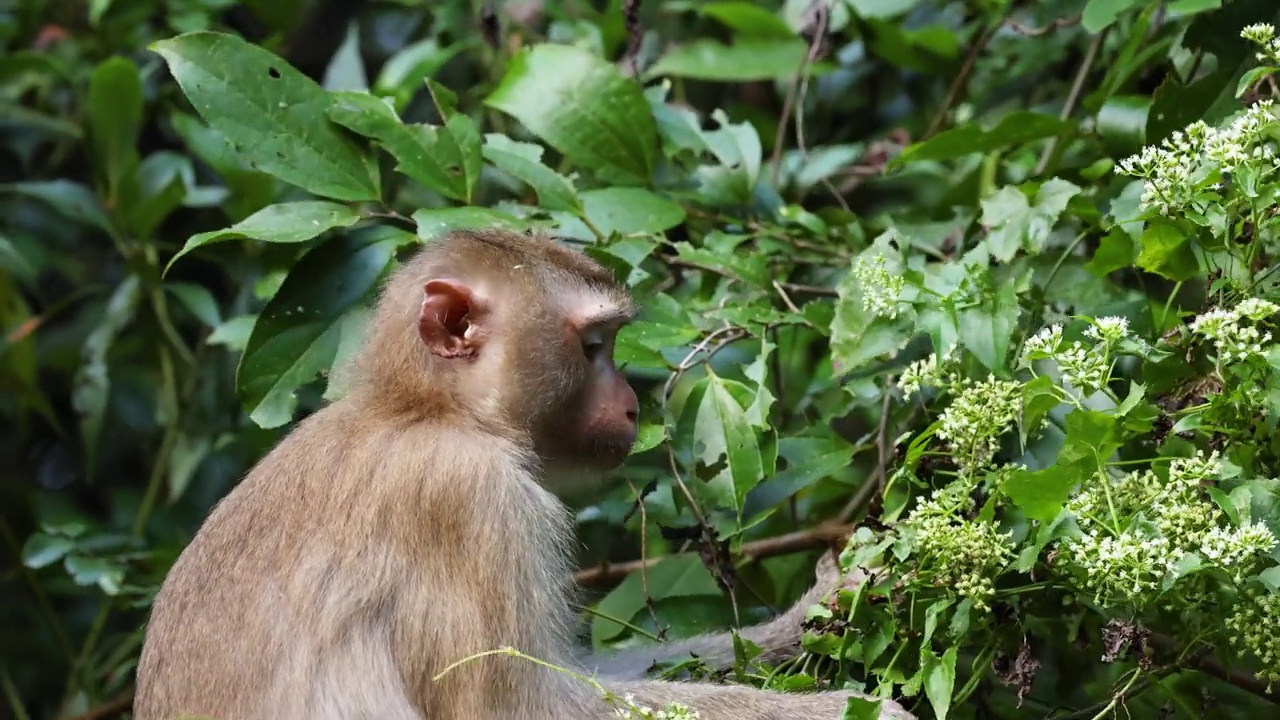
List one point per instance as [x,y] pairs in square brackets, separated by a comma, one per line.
[592,345]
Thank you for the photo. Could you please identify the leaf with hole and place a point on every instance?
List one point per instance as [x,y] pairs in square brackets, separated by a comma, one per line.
[271,114]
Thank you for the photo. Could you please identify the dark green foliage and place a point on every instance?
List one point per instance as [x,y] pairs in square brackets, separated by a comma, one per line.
[812,201]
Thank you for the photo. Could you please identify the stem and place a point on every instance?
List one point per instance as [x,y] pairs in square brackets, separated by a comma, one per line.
[512,652]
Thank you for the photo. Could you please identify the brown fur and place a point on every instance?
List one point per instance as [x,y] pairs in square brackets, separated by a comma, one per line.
[409,525]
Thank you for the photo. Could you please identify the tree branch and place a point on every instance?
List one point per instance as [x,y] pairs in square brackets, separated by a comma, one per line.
[801,540]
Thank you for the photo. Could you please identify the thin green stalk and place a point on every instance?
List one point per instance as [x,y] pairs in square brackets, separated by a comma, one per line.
[11,695]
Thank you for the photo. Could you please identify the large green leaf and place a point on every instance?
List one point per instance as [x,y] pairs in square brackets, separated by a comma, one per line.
[114,115]
[672,577]
[987,329]
[1016,128]
[727,441]
[745,60]
[271,114]
[297,335]
[431,155]
[583,107]
[524,162]
[291,222]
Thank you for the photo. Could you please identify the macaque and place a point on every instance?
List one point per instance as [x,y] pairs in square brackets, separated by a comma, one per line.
[412,523]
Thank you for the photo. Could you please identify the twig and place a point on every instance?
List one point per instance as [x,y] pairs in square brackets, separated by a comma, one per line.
[796,91]
[811,289]
[822,535]
[953,92]
[876,480]
[1037,32]
[644,549]
[1210,666]
[1073,97]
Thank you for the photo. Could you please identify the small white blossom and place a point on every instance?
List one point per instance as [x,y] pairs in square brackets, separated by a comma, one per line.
[1254,626]
[1044,344]
[921,373]
[973,422]
[880,288]
[1085,368]
[1234,340]
[1264,36]
[1109,329]
[965,556]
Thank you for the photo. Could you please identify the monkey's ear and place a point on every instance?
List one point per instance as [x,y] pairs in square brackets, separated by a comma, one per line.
[449,311]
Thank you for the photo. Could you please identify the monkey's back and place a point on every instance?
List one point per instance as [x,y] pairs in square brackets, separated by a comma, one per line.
[218,641]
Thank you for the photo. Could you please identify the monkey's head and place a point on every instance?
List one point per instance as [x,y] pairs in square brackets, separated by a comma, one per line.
[516,333]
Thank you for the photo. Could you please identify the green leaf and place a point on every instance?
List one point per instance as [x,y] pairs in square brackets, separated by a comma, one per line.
[71,199]
[1252,76]
[291,222]
[987,330]
[674,576]
[583,107]
[198,301]
[1016,128]
[1271,578]
[1123,122]
[433,156]
[1166,251]
[402,75]
[748,20]
[437,222]
[105,574]
[882,8]
[297,334]
[1015,224]
[1042,494]
[92,383]
[188,452]
[114,116]
[523,161]
[1101,14]
[1116,251]
[940,681]
[727,440]
[42,550]
[271,114]
[630,210]
[746,60]
[809,459]
[861,708]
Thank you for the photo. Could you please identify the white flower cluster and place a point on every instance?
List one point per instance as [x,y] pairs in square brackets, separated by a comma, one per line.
[1127,564]
[632,710]
[964,555]
[1043,345]
[1125,567]
[1084,367]
[880,288]
[1108,329]
[1174,170]
[1234,340]
[1254,626]
[1264,35]
[973,422]
[1238,547]
[919,374]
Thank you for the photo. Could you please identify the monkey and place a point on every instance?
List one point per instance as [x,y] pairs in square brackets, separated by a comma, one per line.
[414,522]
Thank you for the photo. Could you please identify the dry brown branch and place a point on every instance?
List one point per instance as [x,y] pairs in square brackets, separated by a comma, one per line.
[801,540]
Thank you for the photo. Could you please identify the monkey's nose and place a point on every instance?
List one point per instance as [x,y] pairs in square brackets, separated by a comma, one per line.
[632,415]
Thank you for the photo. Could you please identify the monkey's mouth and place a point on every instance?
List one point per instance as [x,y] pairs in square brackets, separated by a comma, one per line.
[610,452]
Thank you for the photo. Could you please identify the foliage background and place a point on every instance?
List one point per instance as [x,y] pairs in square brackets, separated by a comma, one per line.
[773,144]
